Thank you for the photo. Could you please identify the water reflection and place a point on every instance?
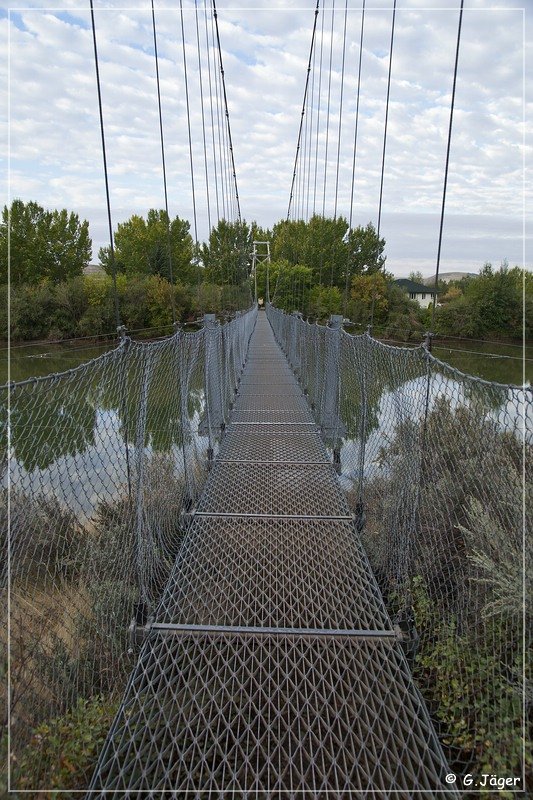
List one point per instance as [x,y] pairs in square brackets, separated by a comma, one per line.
[81,436]
[373,433]
[76,435]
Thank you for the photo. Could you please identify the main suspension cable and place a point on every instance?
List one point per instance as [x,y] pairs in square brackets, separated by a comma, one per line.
[306,140]
[189,123]
[310,134]
[340,109]
[386,118]
[318,109]
[357,112]
[226,109]
[211,110]
[106,178]
[200,76]
[452,105]
[169,241]
[220,129]
[384,152]
[328,112]
[309,63]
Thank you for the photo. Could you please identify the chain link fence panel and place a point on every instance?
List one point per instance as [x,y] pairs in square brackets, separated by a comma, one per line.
[437,470]
[99,466]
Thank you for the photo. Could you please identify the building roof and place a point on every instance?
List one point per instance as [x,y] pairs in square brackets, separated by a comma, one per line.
[412,287]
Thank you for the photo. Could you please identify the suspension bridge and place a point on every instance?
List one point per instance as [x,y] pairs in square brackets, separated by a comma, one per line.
[289,535]
[266,558]
[271,665]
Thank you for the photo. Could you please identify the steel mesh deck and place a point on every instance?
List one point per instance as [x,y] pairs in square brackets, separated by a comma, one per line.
[277,568]
[289,680]
[280,444]
[273,489]
[282,402]
[279,416]
[243,714]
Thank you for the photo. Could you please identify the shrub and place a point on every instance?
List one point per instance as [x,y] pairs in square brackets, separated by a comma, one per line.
[46,539]
[62,753]
[134,306]
[99,317]
[159,302]
[32,310]
[4,294]
[444,536]
[477,705]
[71,303]
[206,298]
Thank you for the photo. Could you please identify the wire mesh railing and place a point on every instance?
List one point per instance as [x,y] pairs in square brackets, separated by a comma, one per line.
[271,668]
[437,469]
[99,466]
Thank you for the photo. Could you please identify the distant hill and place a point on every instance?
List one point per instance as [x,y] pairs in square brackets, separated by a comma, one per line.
[93,269]
[450,276]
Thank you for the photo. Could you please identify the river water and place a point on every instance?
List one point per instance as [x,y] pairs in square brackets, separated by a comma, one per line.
[503,363]
[86,458]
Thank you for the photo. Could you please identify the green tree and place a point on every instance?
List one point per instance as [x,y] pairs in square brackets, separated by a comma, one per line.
[324,301]
[227,255]
[260,234]
[489,305]
[290,285]
[395,316]
[319,244]
[365,250]
[326,252]
[330,248]
[141,247]
[44,245]
[289,241]
[416,277]
[365,290]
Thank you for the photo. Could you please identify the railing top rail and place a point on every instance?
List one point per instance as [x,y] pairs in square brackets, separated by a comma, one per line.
[475,378]
[54,376]
[125,343]
[422,351]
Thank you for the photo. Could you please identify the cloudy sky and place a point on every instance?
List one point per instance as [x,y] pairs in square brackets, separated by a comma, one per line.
[54,149]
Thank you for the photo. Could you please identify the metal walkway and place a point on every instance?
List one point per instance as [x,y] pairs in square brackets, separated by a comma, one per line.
[272,669]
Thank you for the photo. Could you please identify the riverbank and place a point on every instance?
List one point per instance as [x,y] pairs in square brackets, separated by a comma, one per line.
[503,362]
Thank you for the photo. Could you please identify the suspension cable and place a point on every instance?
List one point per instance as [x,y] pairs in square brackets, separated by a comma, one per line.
[309,63]
[350,221]
[307,139]
[357,112]
[301,170]
[328,113]
[386,118]
[203,114]
[340,109]
[318,108]
[452,105]
[106,178]
[384,152]
[211,110]
[226,109]
[220,130]
[169,241]
[310,135]
[189,123]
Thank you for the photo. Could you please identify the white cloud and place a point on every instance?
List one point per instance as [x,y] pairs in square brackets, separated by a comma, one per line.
[55,138]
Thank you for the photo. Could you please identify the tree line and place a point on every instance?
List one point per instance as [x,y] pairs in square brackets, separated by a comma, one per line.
[319,267]
[497,303]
